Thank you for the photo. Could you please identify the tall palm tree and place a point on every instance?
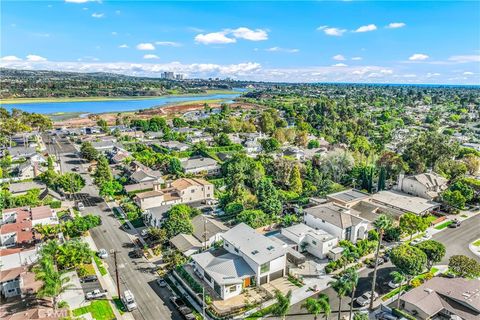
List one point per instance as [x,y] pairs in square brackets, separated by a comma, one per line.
[341,287]
[54,282]
[382,223]
[398,277]
[283,304]
[351,277]
[317,306]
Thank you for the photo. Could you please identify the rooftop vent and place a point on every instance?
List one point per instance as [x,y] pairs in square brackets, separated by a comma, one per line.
[254,252]
[270,248]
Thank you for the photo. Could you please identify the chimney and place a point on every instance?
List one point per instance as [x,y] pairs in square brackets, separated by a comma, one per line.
[401,176]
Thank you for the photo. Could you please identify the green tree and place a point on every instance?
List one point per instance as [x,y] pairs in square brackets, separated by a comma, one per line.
[223,140]
[296,180]
[360,316]
[410,261]
[381,223]
[454,198]
[464,266]
[398,277]
[411,223]
[178,220]
[318,305]
[103,172]
[351,278]
[110,188]
[282,305]
[268,197]
[157,235]
[71,182]
[434,250]
[254,218]
[175,166]
[270,145]
[341,287]
[88,151]
[102,123]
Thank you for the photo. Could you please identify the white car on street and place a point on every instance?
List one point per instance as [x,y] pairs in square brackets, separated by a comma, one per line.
[103,254]
[95,294]
[364,299]
[392,284]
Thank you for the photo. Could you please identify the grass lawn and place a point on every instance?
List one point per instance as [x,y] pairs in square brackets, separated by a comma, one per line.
[119,305]
[430,219]
[90,269]
[99,309]
[100,266]
[477,243]
[394,292]
[443,225]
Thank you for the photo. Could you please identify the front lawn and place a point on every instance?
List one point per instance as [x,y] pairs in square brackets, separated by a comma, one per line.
[99,263]
[443,225]
[477,243]
[99,309]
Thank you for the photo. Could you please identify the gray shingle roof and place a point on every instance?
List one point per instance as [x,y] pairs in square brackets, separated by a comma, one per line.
[185,242]
[335,215]
[211,227]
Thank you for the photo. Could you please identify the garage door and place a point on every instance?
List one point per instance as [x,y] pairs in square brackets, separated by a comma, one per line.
[276,275]
[263,279]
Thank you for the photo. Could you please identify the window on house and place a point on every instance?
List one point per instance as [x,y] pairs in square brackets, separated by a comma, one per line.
[236,250]
[232,288]
[265,267]
[193,190]
[207,277]
[314,242]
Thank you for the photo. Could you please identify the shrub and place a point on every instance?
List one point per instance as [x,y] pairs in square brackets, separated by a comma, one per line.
[400,314]
[416,283]
[56,204]
[194,285]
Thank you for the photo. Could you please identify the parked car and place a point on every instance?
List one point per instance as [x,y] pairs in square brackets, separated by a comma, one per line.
[102,253]
[144,232]
[180,305]
[76,169]
[371,263]
[95,294]
[364,299]
[91,278]
[80,206]
[129,300]
[425,237]
[161,282]
[385,316]
[455,224]
[392,284]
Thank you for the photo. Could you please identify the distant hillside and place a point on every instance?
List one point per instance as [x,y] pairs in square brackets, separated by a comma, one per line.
[42,84]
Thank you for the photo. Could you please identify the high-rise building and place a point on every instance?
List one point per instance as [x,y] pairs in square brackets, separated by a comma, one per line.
[168,75]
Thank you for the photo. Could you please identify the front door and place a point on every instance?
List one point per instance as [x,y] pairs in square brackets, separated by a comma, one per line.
[246,282]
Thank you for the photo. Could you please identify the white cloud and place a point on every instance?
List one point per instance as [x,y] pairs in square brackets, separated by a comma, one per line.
[214,38]
[465,58]
[10,58]
[151,56]
[278,49]
[231,35]
[367,28]
[330,31]
[418,57]
[357,58]
[339,57]
[395,25]
[123,45]
[145,46]
[168,44]
[114,33]
[339,65]
[433,74]
[98,15]
[35,58]
[468,73]
[249,34]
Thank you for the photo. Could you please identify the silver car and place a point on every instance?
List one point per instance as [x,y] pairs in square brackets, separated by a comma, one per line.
[364,299]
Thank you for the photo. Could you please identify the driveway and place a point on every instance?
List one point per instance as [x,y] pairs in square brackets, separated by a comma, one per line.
[74,296]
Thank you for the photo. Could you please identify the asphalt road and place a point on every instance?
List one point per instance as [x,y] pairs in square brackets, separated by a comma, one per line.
[456,240]
[136,274]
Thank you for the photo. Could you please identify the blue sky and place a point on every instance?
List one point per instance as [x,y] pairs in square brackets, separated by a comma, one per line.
[324,41]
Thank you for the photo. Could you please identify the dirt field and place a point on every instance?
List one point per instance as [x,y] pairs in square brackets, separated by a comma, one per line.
[166,111]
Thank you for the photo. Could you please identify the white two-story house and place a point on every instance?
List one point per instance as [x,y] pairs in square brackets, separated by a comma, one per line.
[251,260]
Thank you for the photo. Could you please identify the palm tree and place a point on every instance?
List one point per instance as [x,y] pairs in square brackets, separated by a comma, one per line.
[317,306]
[349,255]
[283,304]
[398,277]
[351,277]
[54,282]
[341,287]
[382,223]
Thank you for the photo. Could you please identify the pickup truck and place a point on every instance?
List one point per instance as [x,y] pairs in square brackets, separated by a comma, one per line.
[96,294]
[180,305]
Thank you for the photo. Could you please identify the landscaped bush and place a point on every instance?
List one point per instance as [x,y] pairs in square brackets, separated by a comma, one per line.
[193,284]
[399,313]
[56,204]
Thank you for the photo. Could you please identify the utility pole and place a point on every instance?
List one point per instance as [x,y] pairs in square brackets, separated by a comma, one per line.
[116,270]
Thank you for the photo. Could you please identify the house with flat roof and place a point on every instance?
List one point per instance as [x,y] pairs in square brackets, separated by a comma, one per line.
[316,242]
[347,198]
[247,259]
[341,222]
[423,185]
[444,298]
[403,203]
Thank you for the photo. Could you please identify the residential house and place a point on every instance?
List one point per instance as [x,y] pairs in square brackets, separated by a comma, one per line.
[348,198]
[179,191]
[18,153]
[21,188]
[200,165]
[294,152]
[175,146]
[316,242]
[206,231]
[16,228]
[43,215]
[247,259]
[423,185]
[341,222]
[104,145]
[444,298]
[399,203]
[202,138]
